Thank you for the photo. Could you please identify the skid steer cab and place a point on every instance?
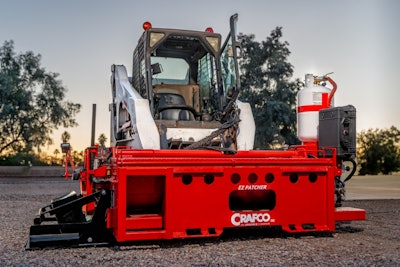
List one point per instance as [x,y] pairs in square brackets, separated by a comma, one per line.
[182,93]
[181,162]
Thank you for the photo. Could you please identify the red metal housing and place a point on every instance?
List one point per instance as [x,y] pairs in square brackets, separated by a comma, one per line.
[166,194]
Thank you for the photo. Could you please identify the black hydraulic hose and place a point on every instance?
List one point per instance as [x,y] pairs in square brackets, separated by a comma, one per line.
[352,171]
[109,157]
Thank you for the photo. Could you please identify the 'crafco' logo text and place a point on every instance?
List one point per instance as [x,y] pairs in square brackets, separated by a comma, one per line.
[239,219]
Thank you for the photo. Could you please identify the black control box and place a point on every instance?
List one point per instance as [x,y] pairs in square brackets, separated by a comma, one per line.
[337,129]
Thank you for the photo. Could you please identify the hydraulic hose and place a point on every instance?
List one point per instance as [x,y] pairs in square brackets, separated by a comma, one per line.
[352,171]
[332,93]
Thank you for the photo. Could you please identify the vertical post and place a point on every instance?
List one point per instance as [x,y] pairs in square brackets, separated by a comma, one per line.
[66,148]
[93,124]
[66,174]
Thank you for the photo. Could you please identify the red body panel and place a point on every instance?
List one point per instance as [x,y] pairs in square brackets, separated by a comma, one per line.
[165,194]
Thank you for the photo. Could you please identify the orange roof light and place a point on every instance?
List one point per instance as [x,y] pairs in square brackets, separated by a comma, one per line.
[209,29]
[146,25]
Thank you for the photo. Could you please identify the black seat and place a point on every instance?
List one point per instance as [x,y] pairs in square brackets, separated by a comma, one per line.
[172,106]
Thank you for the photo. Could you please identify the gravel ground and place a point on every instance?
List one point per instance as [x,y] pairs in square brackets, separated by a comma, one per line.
[374,242]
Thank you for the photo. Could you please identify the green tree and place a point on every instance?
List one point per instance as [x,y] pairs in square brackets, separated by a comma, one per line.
[78,158]
[32,102]
[102,140]
[56,159]
[65,137]
[378,151]
[266,85]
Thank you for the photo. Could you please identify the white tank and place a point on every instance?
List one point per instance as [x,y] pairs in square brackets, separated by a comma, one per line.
[309,102]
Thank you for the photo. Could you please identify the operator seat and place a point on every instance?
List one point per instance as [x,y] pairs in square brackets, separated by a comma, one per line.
[172,106]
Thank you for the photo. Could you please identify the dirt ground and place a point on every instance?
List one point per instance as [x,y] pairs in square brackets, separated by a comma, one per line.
[373,187]
[374,242]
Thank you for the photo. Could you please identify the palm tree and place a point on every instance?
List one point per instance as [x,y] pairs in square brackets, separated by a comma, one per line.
[65,137]
[102,140]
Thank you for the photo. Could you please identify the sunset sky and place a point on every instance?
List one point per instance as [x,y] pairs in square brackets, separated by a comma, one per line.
[358,40]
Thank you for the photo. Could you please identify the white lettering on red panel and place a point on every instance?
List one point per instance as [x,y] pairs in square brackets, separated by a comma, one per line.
[253,187]
[243,219]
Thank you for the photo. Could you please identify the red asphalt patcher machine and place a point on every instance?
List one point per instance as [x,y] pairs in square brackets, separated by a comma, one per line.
[181,162]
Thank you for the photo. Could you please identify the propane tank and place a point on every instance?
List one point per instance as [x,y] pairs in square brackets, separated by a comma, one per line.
[310,100]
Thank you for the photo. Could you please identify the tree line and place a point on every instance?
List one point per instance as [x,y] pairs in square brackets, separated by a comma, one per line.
[378,151]
[32,105]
